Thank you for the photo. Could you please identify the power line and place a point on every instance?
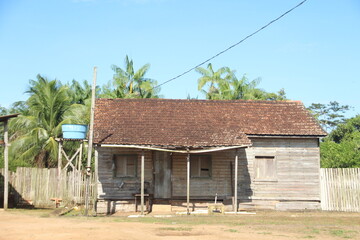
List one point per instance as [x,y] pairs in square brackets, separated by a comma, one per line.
[232,46]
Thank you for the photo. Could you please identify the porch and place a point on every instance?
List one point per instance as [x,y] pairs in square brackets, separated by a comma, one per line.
[182,181]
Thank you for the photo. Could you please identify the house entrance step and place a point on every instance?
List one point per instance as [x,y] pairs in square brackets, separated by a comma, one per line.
[161,208]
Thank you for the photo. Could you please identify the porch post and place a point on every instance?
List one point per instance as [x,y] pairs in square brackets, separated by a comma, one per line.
[236,182]
[142,181]
[188,185]
[6,163]
[96,172]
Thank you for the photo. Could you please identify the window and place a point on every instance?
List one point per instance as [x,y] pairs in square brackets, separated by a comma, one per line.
[200,166]
[125,165]
[265,168]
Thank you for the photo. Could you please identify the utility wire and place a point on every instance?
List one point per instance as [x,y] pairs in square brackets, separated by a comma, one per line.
[232,46]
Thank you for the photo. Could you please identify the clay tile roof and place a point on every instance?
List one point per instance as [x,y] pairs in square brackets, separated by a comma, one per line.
[198,123]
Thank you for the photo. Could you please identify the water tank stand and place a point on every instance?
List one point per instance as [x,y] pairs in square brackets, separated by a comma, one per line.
[73,163]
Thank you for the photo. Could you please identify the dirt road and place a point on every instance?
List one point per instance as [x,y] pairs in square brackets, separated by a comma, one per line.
[23,225]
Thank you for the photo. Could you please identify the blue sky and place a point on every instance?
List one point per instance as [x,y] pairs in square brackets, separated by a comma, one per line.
[313,53]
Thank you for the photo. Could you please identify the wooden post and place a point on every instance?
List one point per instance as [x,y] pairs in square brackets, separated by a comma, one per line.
[236,182]
[80,156]
[78,193]
[6,163]
[142,181]
[188,185]
[96,171]
[59,157]
[91,129]
[58,192]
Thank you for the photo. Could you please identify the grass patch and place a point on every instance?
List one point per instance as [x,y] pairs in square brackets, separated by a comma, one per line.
[36,212]
[343,233]
[175,229]
[312,231]
[305,225]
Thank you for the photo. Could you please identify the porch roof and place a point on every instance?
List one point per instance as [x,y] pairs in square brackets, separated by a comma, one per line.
[7,117]
[198,123]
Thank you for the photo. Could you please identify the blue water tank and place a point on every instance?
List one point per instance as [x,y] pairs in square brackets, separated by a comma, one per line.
[74,131]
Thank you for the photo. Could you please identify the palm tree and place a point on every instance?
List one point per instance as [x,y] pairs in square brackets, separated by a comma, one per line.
[224,85]
[128,83]
[80,98]
[78,92]
[213,80]
[34,133]
[241,88]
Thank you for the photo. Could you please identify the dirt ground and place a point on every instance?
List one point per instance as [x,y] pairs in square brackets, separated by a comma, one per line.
[42,225]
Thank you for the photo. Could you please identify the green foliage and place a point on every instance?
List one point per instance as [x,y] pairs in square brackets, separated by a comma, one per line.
[3,111]
[78,92]
[128,83]
[340,155]
[329,115]
[224,85]
[34,133]
[213,80]
[344,131]
[80,99]
[341,149]
[13,163]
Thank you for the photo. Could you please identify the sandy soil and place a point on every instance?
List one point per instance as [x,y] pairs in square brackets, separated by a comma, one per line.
[19,225]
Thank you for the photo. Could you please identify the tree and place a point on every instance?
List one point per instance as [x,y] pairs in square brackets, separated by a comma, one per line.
[78,92]
[329,115]
[34,133]
[279,96]
[213,79]
[128,83]
[342,147]
[3,111]
[223,84]
[80,98]
[233,88]
[345,130]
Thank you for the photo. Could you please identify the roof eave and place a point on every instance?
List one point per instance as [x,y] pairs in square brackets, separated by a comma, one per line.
[284,136]
[185,150]
[7,117]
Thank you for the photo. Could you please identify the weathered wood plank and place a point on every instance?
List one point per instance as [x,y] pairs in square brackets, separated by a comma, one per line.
[37,186]
[340,189]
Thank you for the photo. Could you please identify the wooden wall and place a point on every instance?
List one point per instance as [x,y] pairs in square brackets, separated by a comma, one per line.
[219,183]
[296,186]
[110,187]
[298,166]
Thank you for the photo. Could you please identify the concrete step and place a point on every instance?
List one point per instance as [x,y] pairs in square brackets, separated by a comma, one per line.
[161,208]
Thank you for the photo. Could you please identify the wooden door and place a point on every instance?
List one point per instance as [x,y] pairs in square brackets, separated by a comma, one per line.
[162,175]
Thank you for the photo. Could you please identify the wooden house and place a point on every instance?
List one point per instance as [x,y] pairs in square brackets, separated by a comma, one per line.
[186,153]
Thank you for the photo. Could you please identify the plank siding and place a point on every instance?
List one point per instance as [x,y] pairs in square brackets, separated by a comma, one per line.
[110,187]
[297,179]
[219,183]
[298,165]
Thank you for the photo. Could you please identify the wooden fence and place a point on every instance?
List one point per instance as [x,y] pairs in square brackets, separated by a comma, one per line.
[340,189]
[37,186]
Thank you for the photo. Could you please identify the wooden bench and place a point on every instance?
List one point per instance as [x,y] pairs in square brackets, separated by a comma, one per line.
[147,198]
